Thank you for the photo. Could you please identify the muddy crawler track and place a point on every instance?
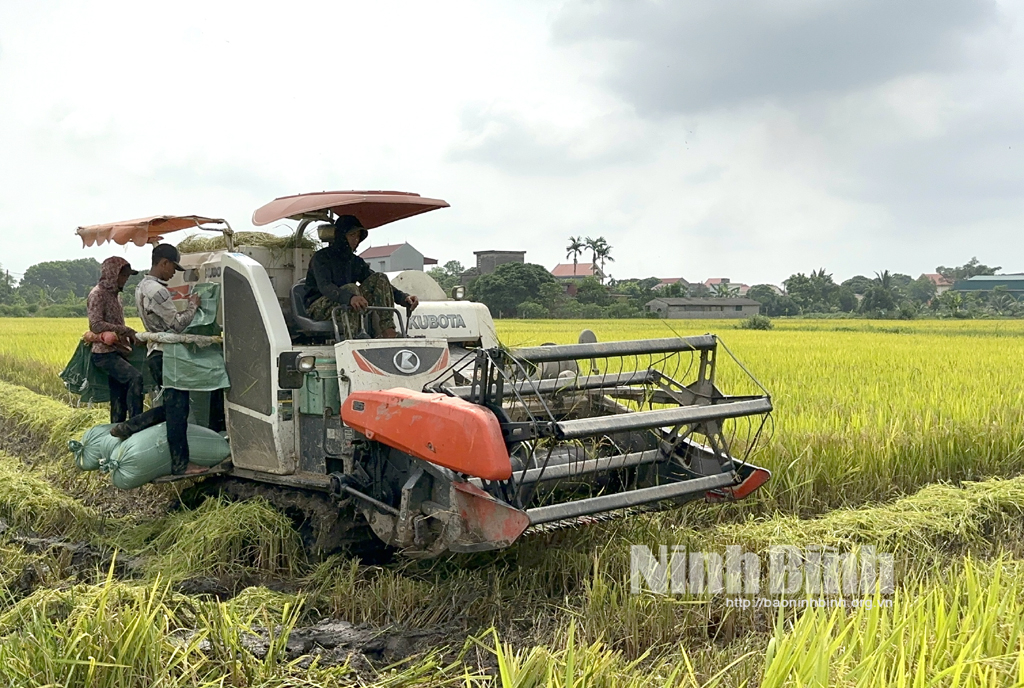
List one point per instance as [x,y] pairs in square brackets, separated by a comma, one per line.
[325,524]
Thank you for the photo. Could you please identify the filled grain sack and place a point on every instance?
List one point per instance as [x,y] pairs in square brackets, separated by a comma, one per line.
[146,455]
[97,445]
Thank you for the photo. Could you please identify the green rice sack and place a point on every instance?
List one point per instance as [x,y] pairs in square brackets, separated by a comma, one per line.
[146,455]
[97,445]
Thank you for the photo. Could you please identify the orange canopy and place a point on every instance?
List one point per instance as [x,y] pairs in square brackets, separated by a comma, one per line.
[146,230]
[373,208]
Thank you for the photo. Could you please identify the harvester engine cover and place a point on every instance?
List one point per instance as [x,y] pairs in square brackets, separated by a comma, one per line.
[443,430]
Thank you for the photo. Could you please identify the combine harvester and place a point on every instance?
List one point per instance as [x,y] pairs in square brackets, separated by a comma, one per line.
[442,439]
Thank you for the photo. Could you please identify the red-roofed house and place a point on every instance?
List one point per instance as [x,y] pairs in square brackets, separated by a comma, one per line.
[670,281]
[714,282]
[568,271]
[395,257]
[942,284]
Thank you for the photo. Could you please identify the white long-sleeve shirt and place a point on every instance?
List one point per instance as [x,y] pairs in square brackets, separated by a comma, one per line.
[153,301]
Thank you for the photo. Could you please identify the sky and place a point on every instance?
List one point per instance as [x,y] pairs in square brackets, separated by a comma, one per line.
[737,139]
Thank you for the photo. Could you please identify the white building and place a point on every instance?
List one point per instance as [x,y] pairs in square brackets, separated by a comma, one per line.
[395,257]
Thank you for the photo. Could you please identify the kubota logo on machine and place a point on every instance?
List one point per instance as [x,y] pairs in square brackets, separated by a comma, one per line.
[407,361]
[433,322]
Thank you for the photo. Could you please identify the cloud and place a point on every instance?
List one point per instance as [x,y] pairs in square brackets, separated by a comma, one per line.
[688,56]
[520,144]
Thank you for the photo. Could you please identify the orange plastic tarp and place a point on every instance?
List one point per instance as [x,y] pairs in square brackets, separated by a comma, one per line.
[146,230]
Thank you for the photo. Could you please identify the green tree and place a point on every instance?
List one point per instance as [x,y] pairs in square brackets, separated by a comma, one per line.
[573,250]
[6,286]
[847,299]
[697,290]
[531,310]
[1001,302]
[765,295]
[675,289]
[921,290]
[77,276]
[723,290]
[589,290]
[592,245]
[448,275]
[816,293]
[623,310]
[859,284]
[971,268]
[954,303]
[604,253]
[640,291]
[508,286]
[902,282]
[882,297]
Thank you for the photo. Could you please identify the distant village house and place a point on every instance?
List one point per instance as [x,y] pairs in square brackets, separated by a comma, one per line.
[1012,284]
[714,282]
[578,271]
[681,308]
[942,284]
[488,261]
[395,257]
[670,281]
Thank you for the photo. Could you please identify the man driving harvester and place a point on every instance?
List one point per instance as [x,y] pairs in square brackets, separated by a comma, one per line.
[338,277]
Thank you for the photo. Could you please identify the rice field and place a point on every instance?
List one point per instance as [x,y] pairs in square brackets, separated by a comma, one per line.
[904,436]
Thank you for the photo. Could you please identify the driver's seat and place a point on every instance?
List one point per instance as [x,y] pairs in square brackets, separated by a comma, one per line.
[303,323]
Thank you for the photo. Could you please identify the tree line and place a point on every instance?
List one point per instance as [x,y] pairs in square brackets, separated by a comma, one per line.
[55,289]
[887,295]
[527,290]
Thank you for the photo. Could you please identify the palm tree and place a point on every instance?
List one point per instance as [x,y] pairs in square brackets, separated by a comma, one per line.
[592,245]
[603,252]
[573,250]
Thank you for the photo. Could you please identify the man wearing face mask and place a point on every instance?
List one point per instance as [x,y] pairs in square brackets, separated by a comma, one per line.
[338,277]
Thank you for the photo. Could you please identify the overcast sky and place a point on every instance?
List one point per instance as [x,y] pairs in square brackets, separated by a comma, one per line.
[740,138]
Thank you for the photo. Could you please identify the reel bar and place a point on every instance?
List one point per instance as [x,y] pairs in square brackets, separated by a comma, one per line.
[571,469]
[643,420]
[574,468]
[573,352]
[624,500]
[566,384]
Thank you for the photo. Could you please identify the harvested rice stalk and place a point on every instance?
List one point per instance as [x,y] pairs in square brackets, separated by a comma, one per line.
[200,243]
[30,504]
[222,539]
[43,422]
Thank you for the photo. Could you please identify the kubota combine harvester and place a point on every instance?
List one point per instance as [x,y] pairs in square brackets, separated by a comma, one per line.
[442,439]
